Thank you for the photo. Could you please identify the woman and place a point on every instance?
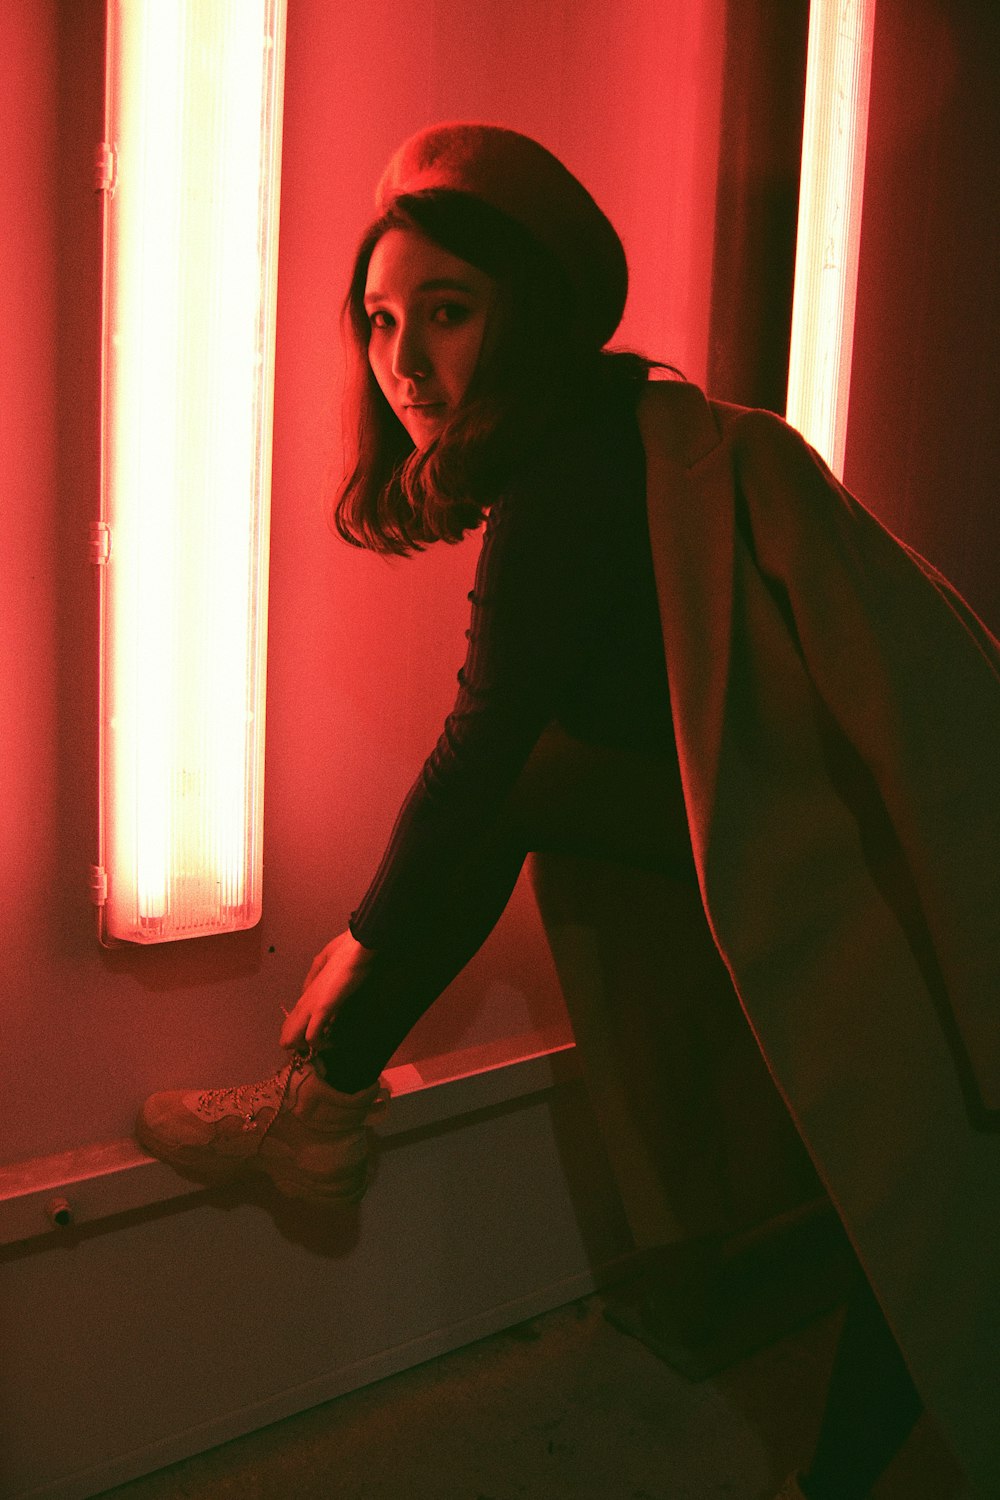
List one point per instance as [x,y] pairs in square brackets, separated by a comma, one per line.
[671,602]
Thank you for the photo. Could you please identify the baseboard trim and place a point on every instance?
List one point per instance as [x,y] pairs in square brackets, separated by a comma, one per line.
[47,1198]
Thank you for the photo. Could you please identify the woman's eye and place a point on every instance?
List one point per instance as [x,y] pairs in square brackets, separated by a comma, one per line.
[451,312]
[379,319]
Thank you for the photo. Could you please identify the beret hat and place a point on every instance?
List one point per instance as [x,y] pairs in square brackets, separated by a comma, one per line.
[526,182]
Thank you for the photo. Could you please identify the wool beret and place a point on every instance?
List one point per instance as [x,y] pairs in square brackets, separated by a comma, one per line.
[526,182]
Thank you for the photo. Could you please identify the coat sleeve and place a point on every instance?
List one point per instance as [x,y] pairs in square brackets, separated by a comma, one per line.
[910,677]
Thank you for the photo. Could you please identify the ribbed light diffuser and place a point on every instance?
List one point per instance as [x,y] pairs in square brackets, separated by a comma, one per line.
[835,125]
[191,178]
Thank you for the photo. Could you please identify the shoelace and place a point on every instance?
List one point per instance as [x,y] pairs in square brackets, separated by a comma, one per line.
[382,1097]
[248,1098]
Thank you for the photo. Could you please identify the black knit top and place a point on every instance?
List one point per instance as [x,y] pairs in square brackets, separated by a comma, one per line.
[564,626]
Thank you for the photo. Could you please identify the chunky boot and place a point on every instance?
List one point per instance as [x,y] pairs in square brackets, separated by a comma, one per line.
[309,1138]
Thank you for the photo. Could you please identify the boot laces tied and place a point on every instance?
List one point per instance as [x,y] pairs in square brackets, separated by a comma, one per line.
[249,1098]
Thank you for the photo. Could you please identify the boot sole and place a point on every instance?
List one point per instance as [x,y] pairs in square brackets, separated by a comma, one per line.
[307,1190]
[289,1178]
[201,1164]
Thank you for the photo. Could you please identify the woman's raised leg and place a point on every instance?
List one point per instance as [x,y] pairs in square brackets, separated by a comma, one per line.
[571,798]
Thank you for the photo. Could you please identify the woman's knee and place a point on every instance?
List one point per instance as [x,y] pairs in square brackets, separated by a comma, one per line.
[600,802]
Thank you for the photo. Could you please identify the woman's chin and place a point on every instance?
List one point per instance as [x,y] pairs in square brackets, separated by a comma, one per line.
[424,423]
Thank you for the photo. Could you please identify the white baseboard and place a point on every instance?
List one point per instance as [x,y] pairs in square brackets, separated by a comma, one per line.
[276,1408]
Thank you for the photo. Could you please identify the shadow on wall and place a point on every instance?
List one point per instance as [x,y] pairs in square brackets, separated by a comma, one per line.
[923,442]
[756,204]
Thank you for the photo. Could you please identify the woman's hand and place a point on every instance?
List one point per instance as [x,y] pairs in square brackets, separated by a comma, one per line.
[337,970]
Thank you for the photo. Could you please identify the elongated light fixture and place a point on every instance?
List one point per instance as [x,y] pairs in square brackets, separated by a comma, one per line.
[838,72]
[190,173]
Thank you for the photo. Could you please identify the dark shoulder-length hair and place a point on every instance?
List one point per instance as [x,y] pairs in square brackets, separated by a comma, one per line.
[535,376]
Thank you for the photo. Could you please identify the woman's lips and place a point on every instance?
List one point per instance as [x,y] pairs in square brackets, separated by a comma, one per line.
[428,411]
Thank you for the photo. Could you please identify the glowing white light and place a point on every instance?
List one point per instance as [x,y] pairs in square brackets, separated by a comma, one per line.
[194,93]
[838,72]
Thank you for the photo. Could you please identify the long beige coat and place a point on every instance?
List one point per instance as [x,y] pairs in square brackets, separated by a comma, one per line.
[837,709]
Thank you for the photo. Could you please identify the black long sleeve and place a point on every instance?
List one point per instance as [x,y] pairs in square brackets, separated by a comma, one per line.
[564,626]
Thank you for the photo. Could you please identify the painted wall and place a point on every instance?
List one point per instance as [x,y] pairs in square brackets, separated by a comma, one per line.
[923,442]
[363,654]
[756,204]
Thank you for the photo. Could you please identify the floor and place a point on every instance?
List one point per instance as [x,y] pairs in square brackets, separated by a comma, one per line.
[564,1407]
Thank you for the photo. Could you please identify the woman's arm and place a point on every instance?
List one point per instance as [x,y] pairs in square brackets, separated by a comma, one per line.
[549,572]
[503,703]
[546,580]
[336,971]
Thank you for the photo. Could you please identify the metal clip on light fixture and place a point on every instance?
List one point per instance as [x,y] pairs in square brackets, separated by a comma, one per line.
[189,169]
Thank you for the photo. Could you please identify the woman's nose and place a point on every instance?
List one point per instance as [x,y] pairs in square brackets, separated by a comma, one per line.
[410,358]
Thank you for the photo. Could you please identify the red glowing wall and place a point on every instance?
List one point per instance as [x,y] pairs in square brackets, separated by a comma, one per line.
[923,438]
[363,655]
[663,111]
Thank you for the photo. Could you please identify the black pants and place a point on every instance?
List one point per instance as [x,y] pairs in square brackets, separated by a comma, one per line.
[571,798]
[574,798]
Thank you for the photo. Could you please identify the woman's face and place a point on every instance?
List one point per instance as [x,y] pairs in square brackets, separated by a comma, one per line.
[427,313]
